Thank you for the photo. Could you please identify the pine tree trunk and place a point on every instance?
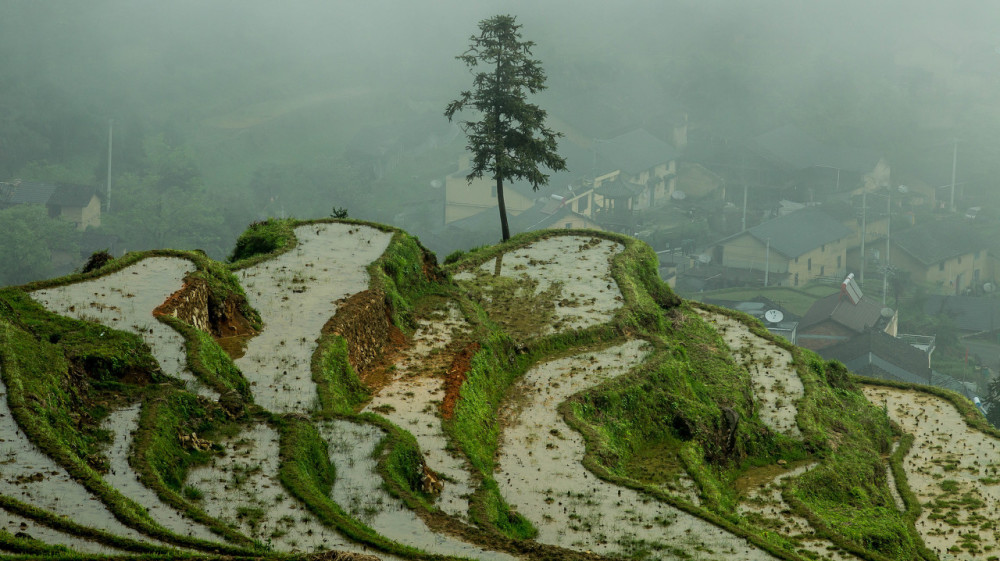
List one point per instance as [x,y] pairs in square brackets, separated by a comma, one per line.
[503,210]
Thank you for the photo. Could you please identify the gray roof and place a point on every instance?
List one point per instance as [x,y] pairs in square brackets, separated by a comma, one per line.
[791,147]
[839,308]
[934,242]
[875,351]
[800,232]
[633,152]
[42,193]
[619,188]
[31,193]
[70,195]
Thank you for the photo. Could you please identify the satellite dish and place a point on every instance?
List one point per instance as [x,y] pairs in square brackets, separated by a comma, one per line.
[774,316]
[904,189]
[887,312]
[437,184]
[988,287]
[678,195]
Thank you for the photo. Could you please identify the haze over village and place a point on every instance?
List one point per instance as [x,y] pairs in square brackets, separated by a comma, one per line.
[829,169]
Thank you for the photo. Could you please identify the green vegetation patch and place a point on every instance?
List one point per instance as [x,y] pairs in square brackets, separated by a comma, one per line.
[339,388]
[209,362]
[162,462]
[501,360]
[69,371]
[405,272]
[37,377]
[263,238]
[308,474]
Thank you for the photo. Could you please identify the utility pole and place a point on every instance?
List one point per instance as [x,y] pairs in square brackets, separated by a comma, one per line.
[954,168]
[864,233]
[111,126]
[744,206]
[888,227]
[767,261]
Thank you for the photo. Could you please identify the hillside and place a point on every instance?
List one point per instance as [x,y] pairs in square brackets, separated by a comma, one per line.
[331,392]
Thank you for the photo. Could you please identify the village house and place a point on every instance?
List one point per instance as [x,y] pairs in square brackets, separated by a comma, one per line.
[632,171]
[945,255]
[795,248]
[877,354]
[843,316]
[605,185]
[77,204]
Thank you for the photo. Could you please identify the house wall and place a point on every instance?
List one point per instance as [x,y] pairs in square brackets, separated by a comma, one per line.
[658,191]
[583,203]
[829,260]
[951,276]
[747,252]
[89,215]
[878,177]
[697,181]
[463,199]
[576,221]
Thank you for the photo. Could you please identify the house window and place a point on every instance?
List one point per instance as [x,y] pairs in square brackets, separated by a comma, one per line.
[582,204]
[569,225]
[796,279]
[959,260]
[822,269]
[838,262]
[941,266]
[493,190]
[822,248]
[809,264]
[796,260]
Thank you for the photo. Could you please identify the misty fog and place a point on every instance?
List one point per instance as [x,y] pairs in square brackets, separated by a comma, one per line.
[226,112]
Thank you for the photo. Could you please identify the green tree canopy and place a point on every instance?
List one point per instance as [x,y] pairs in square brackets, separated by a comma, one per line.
[31,239]
[510,139]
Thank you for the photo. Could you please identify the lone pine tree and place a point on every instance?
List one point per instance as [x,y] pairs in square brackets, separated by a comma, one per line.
[509,140]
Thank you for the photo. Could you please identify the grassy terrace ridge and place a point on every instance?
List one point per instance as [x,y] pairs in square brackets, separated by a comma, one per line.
[828,394]
[493,370]
[674,406]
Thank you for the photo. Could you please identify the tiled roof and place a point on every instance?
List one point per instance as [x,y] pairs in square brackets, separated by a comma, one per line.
[31,192]
[802,231]
[934,242]
[838,307]
[42,193]
[633,152]
[71,195]
[897,357]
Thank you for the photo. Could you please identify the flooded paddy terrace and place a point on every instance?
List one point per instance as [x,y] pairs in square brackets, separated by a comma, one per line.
[125,300]
[954,471]
[296,293]
[29,476]
[540,472]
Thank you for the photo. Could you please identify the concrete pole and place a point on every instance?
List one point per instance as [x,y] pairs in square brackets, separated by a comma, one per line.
[744,206]
[767,261]
[111,126]
[954,168]
[864,233]
[888,228]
